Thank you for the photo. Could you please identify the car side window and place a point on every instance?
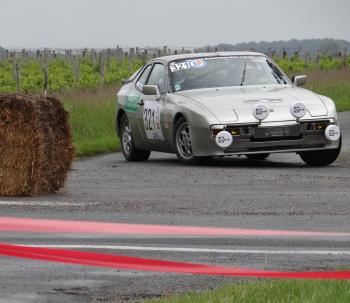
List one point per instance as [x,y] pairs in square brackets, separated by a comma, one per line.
[143,78]
[157,77]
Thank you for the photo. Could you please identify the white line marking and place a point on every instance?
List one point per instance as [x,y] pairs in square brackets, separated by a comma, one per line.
[40,203]
[201,250]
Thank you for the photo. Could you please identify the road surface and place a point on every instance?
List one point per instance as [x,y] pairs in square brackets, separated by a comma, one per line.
[279,193]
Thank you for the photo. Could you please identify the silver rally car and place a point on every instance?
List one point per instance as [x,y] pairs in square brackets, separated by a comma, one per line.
[223,104]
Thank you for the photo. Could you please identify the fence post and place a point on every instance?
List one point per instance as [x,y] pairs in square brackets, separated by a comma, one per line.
[102,68]
[145,54]
[76,67]
[345,57]
[130,64]
[23,55]
[46,80]
[3,54]
[16,76]
[284,54]
[318,57]
[108,60]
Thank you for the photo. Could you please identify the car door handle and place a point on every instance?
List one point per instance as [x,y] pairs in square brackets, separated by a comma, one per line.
[141,103]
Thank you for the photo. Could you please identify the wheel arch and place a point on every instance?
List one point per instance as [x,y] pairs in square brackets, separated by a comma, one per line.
[118,121]
[178,116]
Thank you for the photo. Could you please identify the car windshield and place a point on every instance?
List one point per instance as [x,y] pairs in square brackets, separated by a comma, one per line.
[209,72]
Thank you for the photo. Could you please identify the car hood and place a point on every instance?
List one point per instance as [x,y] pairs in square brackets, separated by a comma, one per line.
[236,104]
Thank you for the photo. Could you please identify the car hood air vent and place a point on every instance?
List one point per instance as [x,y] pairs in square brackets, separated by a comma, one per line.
[275,100]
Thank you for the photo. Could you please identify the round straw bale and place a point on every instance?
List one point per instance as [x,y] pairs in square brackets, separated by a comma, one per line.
[36,151]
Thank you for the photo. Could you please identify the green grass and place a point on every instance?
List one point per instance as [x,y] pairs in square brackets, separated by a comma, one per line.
[273,291]
[92,118]
[339,93]
[333,83]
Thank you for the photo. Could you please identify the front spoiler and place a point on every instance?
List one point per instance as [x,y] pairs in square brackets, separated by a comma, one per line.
[204,145]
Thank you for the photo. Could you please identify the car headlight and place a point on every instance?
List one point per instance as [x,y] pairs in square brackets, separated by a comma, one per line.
[215,129]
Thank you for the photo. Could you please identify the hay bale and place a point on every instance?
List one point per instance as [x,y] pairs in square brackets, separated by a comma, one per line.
[36,150]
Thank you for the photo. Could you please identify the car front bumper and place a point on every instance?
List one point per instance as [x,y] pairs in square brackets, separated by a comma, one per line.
[203,142]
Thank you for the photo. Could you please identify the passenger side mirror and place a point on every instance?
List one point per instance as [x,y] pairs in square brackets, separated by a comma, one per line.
[151,90]
[299,80]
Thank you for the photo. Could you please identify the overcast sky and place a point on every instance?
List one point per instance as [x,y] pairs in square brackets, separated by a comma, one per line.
[107,23]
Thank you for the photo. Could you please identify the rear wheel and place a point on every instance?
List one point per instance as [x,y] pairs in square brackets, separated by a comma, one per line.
[257,156]
[321,157]
[130,152]
[183,144]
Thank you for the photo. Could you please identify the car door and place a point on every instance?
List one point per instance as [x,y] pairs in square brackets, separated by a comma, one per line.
[150,108]
[132,97]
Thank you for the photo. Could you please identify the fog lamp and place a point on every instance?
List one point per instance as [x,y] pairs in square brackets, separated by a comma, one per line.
[332,133]
[298,110]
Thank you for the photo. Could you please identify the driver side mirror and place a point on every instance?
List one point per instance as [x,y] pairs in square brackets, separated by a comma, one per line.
[151,90]
[299,80]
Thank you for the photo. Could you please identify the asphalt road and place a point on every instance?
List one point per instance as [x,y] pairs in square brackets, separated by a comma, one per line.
[280,193]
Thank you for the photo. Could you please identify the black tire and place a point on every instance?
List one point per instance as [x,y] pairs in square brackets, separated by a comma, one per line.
[257,156]
[321,157]
[130,152]
[184,150]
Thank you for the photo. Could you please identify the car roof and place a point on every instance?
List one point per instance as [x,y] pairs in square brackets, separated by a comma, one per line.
[167,59]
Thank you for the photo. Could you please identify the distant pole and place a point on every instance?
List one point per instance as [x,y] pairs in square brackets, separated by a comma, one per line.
[76,67]
[23,55]
[284,54]
[108,60]
[46,80]
[16,76]
[130,64]
[345,57]
[102,68]
[318,57]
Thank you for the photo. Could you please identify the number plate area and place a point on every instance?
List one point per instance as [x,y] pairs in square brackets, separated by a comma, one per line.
[151,120]
[293,131]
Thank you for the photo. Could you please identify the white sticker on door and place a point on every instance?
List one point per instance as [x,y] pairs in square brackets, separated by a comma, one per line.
[151,120]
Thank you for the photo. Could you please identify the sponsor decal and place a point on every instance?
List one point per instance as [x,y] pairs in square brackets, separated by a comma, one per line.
[202,62]
[232,57]
[131,102]
[196,63]
[177,86]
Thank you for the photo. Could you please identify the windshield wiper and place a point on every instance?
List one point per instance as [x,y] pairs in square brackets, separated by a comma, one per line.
[277,73]
[244,71]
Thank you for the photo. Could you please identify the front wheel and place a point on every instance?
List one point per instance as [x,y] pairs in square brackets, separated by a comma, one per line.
[183,144]
[321,157]
[130,152]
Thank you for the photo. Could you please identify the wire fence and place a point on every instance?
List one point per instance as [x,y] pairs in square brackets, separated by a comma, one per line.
[103,64]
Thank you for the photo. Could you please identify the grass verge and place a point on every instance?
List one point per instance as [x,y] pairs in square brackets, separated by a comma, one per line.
[92,118]
[334,84]
[273,291]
